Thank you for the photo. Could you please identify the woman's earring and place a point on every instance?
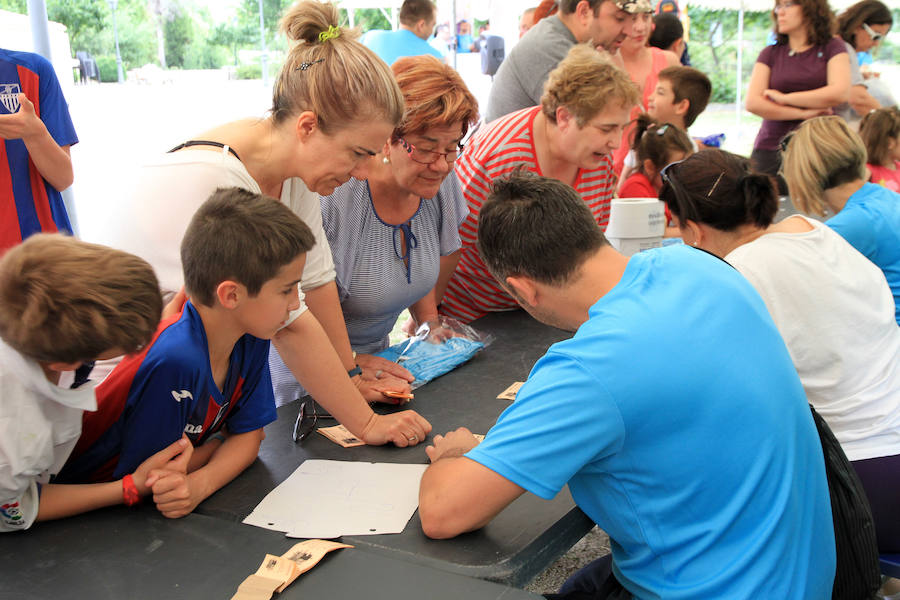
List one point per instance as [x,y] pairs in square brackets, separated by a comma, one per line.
[386,160]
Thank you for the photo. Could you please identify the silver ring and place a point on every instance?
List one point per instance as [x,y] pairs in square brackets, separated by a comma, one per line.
[413,438]
[378,373]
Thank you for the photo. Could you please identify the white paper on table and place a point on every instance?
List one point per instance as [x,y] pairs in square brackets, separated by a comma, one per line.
[330,498]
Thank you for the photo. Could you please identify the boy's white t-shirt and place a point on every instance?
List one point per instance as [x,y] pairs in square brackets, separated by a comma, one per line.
[835,311]
[39,425]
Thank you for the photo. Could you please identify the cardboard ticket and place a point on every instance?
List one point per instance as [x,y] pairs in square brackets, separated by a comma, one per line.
[341,435]
[479,437]
[510,392]
[305,555]
[273,574]
[277,572]
[256,587]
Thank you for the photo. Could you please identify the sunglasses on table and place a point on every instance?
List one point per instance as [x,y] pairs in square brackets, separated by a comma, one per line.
[307,419]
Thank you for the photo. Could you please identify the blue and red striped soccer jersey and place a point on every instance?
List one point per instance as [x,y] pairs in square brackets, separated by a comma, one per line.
[152,397]
[28,203]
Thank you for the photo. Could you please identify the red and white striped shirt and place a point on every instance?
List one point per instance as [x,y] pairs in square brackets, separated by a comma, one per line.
[497,150]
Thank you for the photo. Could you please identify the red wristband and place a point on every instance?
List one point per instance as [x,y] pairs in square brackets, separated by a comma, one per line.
[130,493]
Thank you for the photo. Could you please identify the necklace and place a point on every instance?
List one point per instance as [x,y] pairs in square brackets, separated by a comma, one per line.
[799,50]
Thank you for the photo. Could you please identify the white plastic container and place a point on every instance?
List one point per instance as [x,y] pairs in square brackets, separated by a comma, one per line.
[636,224]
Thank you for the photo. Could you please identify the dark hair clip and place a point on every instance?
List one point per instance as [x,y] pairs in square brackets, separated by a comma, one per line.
[305,65]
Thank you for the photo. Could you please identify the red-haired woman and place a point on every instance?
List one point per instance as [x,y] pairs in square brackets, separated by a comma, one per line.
[395,237]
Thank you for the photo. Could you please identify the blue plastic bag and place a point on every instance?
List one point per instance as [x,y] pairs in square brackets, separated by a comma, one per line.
[437,348]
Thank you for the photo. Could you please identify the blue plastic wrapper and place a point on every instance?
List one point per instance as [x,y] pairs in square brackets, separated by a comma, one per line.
[437,348]
[713,141]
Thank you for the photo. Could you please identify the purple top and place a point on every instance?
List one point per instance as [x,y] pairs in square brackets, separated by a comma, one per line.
[798,73]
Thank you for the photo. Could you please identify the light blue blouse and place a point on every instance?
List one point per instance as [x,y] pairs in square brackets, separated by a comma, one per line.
[375,283]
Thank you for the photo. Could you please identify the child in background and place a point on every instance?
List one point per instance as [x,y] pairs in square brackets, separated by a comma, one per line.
[880,132]
[63,302]
[206,374]
[681,94]
[655,146]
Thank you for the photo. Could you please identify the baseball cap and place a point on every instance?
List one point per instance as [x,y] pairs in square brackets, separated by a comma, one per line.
[634,6]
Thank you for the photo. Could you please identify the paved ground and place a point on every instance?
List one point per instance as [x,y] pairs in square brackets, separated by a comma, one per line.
[592,546]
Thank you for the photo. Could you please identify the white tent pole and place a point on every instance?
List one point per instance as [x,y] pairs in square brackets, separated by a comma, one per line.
[740,63]
[40,34]
[453,30]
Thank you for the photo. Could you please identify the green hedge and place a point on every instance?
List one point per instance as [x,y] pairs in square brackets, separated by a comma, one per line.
[107,66]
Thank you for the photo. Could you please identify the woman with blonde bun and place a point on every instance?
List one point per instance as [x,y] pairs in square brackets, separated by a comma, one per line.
[334,105]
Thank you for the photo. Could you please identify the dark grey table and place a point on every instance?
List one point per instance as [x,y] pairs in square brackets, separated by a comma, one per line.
[520,543]
[137,554]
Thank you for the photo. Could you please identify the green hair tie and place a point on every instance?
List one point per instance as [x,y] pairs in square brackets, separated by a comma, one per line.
[332,33]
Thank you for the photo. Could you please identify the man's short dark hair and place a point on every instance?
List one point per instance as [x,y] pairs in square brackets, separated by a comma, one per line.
[241,236]
[536,227]
[667,30]
[413,11]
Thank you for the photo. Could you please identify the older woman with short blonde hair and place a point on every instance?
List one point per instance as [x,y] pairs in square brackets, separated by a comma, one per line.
[570,136]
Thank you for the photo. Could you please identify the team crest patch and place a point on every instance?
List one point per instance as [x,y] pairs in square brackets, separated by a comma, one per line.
[12,514]
[9,96]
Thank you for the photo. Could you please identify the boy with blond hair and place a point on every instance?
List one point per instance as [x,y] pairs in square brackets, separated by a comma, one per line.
[206,374]
[64,302]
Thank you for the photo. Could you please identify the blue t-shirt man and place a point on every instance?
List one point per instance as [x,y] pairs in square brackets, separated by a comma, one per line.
[870,222]
[678,421]
[391,45]
[28,203]
[151,398]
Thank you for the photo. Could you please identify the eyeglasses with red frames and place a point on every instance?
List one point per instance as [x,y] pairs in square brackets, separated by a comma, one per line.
[429,157]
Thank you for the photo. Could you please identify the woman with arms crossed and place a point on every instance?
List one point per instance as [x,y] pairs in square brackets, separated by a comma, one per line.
[805,74]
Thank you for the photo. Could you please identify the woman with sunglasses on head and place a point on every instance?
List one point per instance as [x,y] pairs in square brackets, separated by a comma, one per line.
[825,169]
[334,103]
[862,27]
[804,75]
[395,237]
[832,307]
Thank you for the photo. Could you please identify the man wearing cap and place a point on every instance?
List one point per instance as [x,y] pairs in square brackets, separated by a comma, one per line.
[519,82]
[674,415]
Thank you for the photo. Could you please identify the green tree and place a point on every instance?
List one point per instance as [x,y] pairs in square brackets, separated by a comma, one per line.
[82,18]
[178,33]
[366,19]
[234,36]
[16,6]
[713,47]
